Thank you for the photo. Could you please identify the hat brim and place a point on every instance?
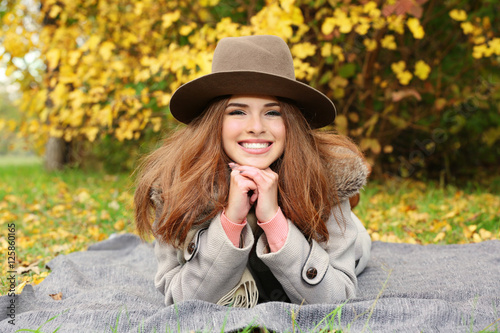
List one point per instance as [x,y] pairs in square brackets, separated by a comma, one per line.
[190,100]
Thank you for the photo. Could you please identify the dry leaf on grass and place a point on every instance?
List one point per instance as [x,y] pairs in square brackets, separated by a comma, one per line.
[56,297]
[33,267]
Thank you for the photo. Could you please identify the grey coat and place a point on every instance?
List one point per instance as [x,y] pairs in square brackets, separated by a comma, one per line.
[301,271]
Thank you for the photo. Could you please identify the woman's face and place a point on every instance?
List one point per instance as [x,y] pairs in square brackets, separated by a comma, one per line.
[253,130]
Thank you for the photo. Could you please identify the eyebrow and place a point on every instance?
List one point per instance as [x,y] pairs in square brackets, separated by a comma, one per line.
[241,105]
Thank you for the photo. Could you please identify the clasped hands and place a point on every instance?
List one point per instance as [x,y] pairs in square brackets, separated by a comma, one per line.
[251,185]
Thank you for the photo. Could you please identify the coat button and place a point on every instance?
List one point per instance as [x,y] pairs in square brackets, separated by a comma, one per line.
[311,273]
[191,247]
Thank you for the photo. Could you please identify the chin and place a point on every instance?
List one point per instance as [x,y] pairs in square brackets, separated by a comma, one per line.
[258,165]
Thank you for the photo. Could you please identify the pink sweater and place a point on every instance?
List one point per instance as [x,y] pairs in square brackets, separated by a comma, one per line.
[276,230]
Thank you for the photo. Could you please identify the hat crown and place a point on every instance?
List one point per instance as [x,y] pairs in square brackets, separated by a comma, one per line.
[251,65]
[261,53]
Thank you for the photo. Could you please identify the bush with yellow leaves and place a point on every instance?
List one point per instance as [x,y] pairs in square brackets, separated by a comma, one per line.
[414,80]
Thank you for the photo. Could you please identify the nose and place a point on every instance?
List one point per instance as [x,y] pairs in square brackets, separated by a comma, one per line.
[255,125]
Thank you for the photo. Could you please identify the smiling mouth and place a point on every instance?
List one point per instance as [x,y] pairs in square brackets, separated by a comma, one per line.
[255,145]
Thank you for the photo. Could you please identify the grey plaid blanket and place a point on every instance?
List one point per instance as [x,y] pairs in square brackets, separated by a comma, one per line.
[405,288]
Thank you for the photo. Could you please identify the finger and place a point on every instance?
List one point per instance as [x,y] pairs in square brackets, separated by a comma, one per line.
[254,198]
[260,176]
[244,167]
[270,175]
[266,172]
[264,180]
[269,172]
[253,173]
[245,184]
[233,165]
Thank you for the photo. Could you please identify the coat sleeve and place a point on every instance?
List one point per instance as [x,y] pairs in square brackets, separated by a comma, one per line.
[314,273]
[207,271]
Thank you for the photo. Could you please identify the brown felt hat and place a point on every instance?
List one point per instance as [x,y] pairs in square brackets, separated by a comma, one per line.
[260,65]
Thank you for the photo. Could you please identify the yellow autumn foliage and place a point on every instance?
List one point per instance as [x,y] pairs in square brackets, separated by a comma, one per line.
[388,42]
[110,67]
[416,29]
[458,15]
[422,69]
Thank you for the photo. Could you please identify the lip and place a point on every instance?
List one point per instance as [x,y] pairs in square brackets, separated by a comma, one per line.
[253,150]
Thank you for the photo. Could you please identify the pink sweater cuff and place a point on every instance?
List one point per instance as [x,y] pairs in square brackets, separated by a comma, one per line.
[276,231]
[232,230]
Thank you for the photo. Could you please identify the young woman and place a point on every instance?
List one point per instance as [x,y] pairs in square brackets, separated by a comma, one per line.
[251,202]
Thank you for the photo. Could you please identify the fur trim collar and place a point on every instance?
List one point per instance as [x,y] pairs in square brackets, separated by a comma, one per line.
[349,172]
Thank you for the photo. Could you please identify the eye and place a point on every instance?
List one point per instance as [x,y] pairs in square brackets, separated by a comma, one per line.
[236,113]
[273,113]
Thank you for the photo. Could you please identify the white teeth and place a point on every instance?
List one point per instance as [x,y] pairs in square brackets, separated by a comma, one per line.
[255,145]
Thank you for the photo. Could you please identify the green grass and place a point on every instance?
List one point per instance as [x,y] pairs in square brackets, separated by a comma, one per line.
[9,161]
[60,212]
[416,212]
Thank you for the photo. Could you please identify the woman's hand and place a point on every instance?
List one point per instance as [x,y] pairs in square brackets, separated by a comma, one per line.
[242,195]
[263,183]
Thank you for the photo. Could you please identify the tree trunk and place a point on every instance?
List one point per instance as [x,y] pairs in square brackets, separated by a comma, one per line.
[55,154]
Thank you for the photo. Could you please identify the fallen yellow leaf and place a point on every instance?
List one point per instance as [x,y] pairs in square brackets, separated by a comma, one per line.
[20,288]
[485,234]
[439,237]
[476,238]
[119,225]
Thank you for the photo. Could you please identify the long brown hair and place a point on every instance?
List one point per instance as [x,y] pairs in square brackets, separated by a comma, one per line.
[191,172]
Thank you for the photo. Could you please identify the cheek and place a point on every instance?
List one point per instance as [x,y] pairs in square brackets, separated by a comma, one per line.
[229,134]
[280,133]
[225,130]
